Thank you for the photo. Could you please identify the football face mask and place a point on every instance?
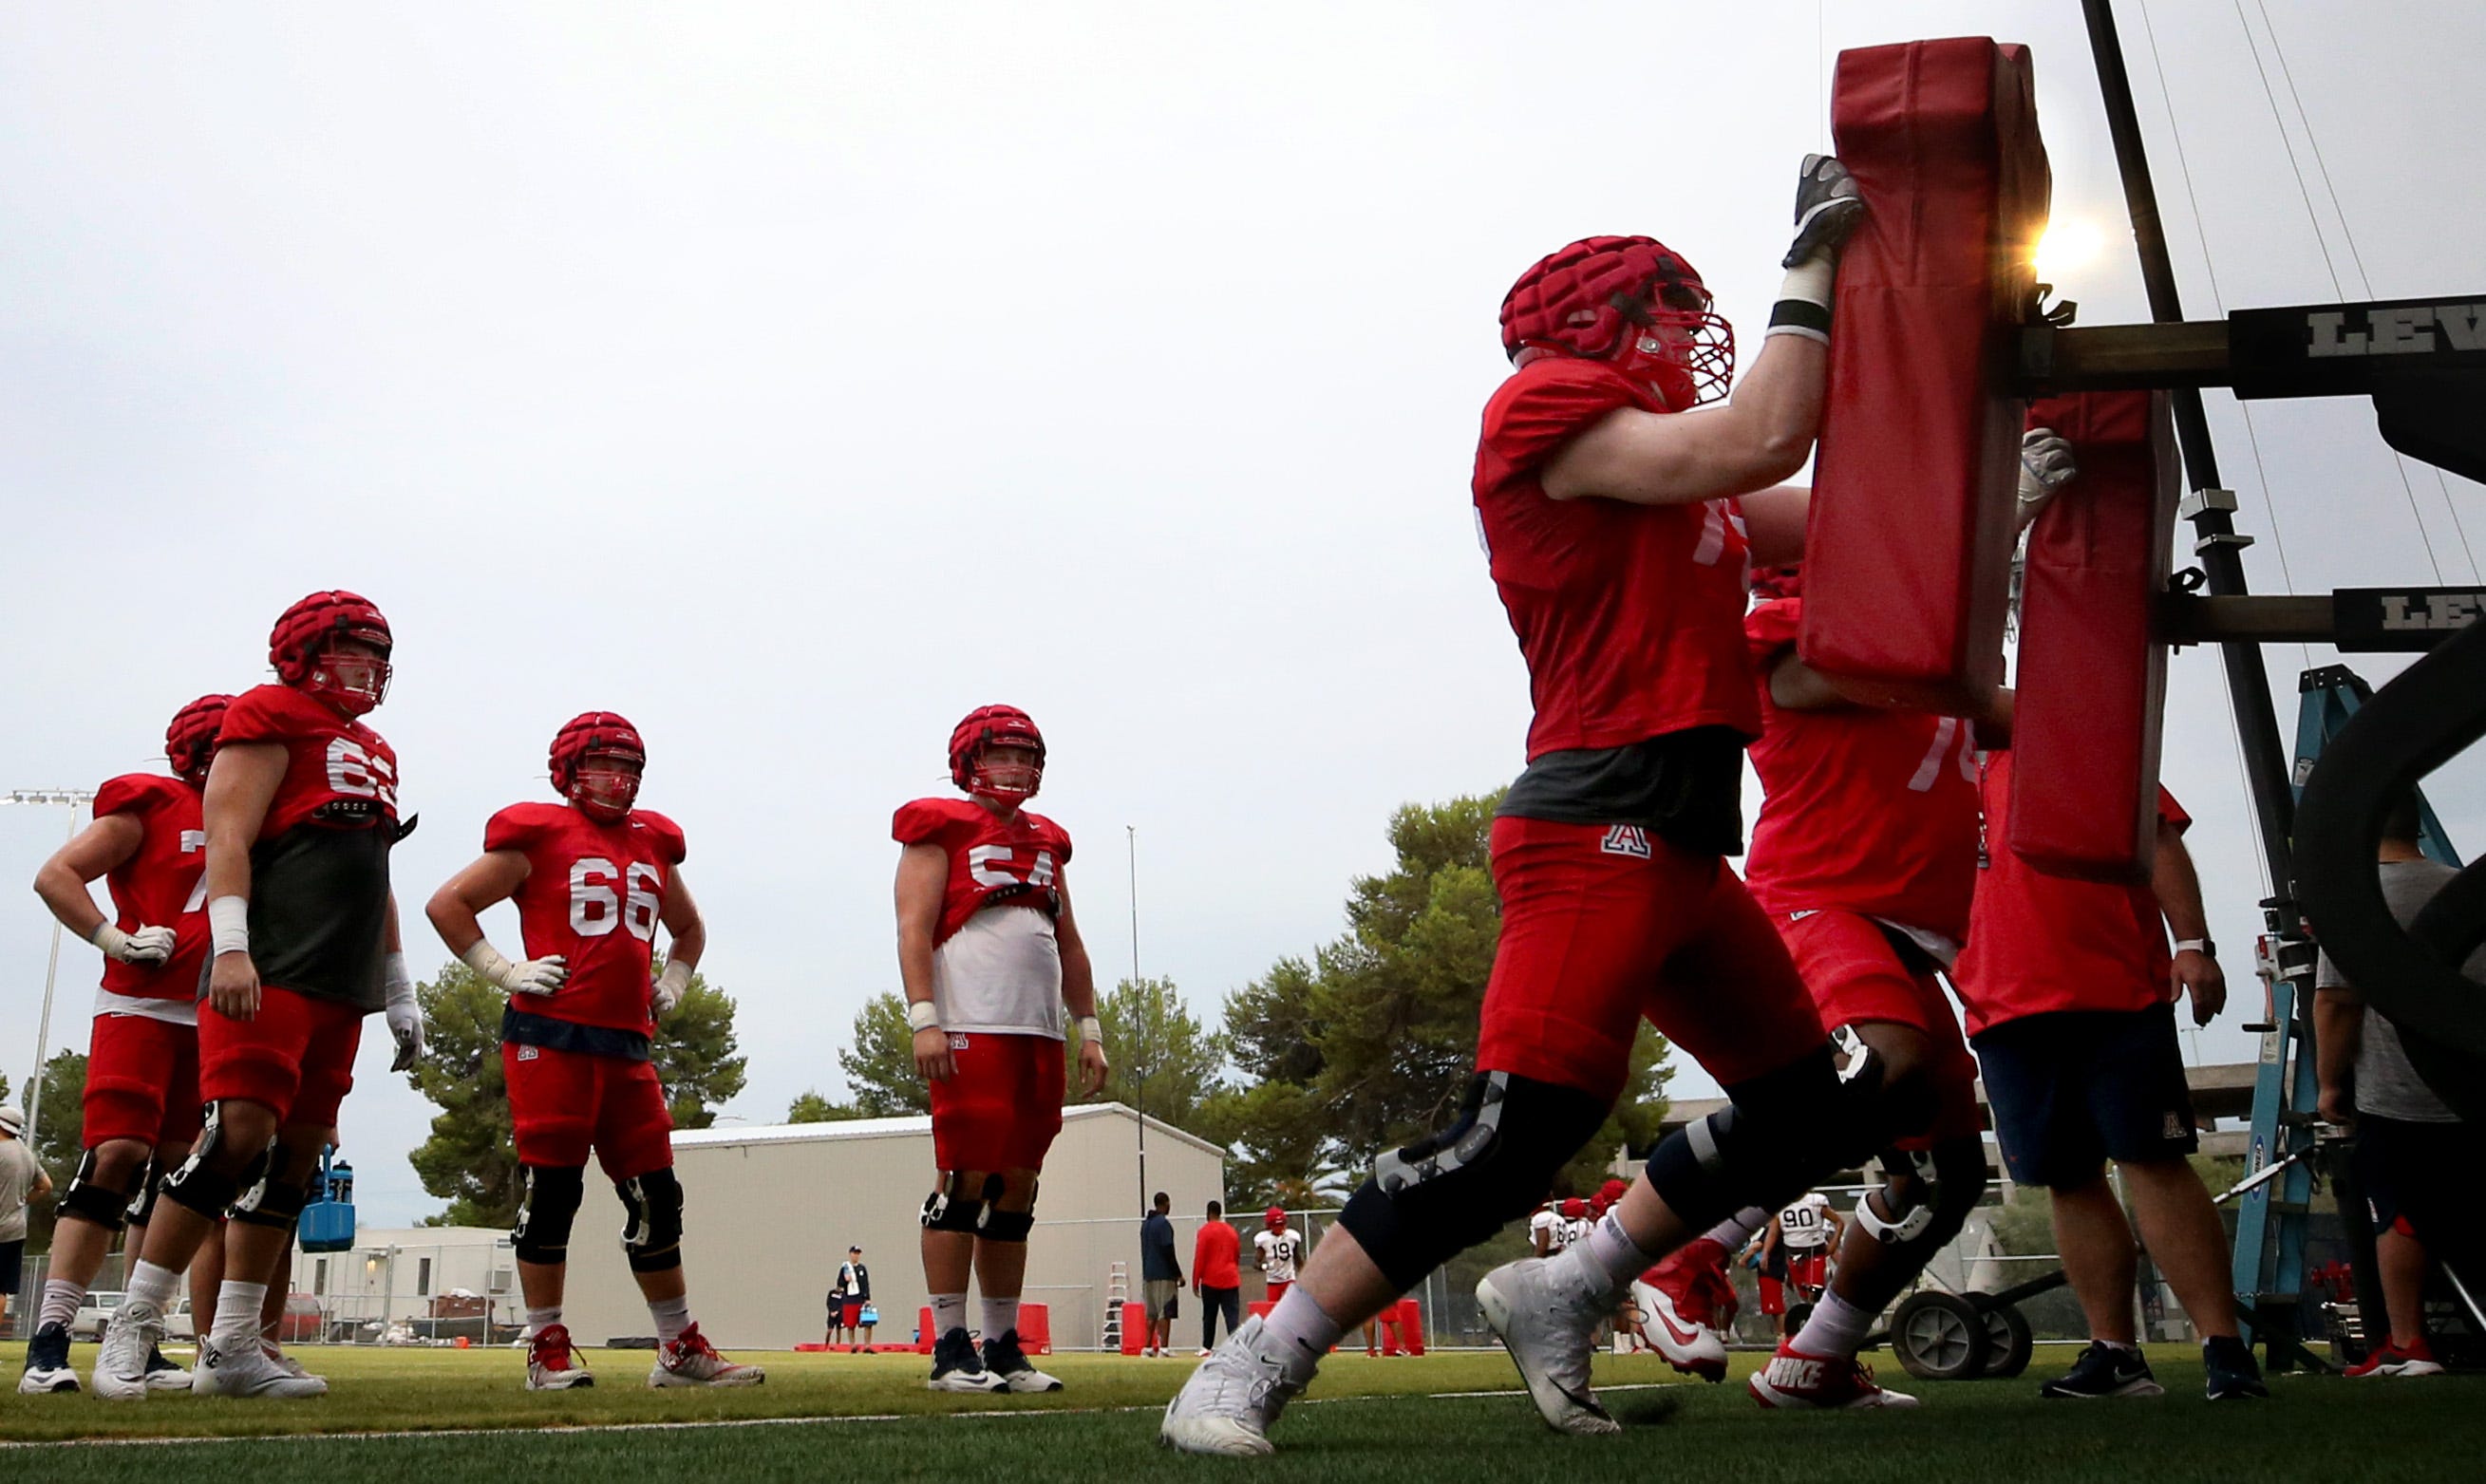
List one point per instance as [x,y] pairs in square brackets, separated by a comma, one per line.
[350,674]
[606,787]
[1006,772]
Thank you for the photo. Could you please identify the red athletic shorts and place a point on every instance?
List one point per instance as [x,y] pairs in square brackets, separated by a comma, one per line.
[562,1103]
[141,1082]
[1604,926]
[1001,1107]
[1855,974]
[297,1056]
[1277,1287]
[1808,1269]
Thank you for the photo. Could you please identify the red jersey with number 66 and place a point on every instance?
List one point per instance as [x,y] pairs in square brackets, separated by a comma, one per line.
[161,885]
[592,894]
[1866,810]
[996,963]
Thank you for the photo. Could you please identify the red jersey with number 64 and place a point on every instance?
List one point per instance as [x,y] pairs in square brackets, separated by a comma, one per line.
[161,885]
[592,894]
[1866,810]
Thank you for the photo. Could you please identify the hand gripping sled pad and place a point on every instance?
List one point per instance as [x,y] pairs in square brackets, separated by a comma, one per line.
[2093,680]
[1907,568]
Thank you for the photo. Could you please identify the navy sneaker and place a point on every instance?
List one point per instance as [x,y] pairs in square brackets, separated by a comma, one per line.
[47,1363]
[2107,1370]
[2233,1375]
[959,1366]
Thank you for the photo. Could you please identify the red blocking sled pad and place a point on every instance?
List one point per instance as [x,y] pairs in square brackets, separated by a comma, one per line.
[1907,551]
[2093,680]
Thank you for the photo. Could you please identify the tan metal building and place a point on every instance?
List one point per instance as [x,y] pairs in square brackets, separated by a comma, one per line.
[770,1212]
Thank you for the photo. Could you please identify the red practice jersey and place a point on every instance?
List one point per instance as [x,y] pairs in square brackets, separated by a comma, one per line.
[2039,944]
[163,884]
[1626,614]
[319,871]
[993,862]
[1866,810]
[592,895]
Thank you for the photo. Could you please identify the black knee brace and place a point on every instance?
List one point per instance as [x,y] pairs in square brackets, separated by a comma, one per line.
[142,1202]
[1780,1133]
[272,1202]
[952,1206]
[652,1237]
[216,1173]
[1445,1194]
[1002,1226]
[545,1210]
[91,1201]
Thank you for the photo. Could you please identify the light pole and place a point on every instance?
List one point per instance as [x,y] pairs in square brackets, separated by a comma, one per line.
[1138,1011]
[75,799]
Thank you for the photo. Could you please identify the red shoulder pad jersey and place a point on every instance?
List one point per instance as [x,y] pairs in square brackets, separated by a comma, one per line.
[163,884]
[2039,944]
[1865,811]
[320,869]
[1628,614]
[993,862]
[592,895]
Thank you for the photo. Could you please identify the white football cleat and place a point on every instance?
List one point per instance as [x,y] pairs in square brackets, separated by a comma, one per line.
[553,1363]
[690,1361]
[129,1341]
[247,1372]
[1228,1404]
[1804,1381]
[1548,1321]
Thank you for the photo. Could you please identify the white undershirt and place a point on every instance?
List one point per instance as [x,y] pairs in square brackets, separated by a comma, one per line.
[172,1012]
[1001,973]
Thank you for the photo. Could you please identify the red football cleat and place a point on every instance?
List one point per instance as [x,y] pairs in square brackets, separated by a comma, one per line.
[1795,1379]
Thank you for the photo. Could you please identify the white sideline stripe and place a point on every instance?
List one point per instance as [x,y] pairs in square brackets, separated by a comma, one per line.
[583,1429]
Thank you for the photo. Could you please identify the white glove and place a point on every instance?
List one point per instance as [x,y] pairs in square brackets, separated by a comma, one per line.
[2046,465]
[145,948]
[532,977]
[670,985]
[404,1016]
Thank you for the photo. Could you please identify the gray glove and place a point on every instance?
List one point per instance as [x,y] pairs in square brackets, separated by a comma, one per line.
[1827,209]
[2046,465]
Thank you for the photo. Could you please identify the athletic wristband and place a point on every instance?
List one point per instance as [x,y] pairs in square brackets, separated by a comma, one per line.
[108,937]
[677,977]
[2201,946]
[486,961]
[229,925]
[398,984]
[922,1016]
[1803,306]
[1090,1029]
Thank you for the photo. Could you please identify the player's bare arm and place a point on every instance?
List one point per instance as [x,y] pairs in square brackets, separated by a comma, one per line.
[923,871]
[686,941]
[2339,1031]
[241,782]
[2178,886]
[1079,995]
[456,911]
[62,882]
[1758,438]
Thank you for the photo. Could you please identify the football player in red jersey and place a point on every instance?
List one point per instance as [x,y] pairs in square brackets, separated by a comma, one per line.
[300,813]
[1615,517]
[148,845]
[591,877]
[991,956]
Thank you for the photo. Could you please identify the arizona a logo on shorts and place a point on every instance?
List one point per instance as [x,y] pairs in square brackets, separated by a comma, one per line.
[2174,1127]
[957,1040]
[527,1054]
[1626,839]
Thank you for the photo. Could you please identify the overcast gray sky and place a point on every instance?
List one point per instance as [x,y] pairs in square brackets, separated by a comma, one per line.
[794,378]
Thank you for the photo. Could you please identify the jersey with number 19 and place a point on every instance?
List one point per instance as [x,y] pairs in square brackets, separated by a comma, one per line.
[996,964]
[592,895]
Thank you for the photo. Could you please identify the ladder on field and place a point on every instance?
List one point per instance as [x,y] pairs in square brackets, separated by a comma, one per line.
[2270,1219]
[1117,1292]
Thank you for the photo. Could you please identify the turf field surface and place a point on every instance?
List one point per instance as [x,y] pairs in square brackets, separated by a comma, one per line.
[1367,1421]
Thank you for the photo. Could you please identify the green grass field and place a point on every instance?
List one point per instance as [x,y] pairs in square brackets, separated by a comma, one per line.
[1371,1421]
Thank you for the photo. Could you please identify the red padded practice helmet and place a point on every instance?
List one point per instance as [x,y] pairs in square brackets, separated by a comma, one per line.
[1275,1216]
[1632,301]
[190,741]
[1572,1208]
[597,734]
[303,634]
[1610,1192]
[988,727]
[1768,582]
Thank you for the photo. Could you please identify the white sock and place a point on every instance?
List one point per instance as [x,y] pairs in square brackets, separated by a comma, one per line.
[149,1283]
[61,1299]
[949,1313]
[1001,1316]
[672,1316]
[1835,1328]
[2116,1344]
[539,1320]
[1737,1229]
[1607,1257]
[1302,1332]
[238,1316]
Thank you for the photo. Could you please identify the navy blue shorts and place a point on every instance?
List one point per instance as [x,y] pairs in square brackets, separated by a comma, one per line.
[2419,1170]
[2075,1089]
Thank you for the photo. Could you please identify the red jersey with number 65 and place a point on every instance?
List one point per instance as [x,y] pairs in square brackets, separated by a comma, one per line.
[592,894]
[161,885]
[1626,614]
[320,869]
[996,963]
[1866,810]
